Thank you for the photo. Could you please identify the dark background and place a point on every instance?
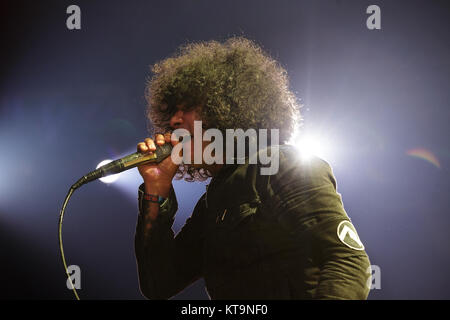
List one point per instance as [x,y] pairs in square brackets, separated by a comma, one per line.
[70,99]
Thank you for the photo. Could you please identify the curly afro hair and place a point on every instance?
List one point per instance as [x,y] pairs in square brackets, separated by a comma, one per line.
[235,82]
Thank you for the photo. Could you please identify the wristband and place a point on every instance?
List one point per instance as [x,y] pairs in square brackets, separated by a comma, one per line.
[154,198]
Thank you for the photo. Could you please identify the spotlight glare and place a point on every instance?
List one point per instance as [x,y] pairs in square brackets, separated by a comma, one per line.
[111,178]
[310,145]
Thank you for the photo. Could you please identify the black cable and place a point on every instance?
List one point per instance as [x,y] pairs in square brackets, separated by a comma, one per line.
[61,217]
[122,164]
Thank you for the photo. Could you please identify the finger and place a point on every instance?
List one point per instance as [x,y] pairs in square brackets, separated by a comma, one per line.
[167,136]
[159,139]
[150,144]
[142,147]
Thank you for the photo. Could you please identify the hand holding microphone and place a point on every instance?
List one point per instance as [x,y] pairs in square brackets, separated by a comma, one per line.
[157,176]
[148,153]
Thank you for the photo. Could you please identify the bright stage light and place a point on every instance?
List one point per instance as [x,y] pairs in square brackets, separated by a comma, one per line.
[310,145]
[111,178]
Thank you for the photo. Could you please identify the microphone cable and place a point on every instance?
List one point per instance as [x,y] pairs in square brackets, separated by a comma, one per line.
[61,249]
[125,163]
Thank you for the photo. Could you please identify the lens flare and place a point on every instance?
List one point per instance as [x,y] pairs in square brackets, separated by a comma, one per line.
[108,179]
[424,154]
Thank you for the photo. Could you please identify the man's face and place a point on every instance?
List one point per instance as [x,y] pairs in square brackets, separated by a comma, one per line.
[184,119]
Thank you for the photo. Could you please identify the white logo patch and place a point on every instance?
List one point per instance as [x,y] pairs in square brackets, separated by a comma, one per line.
[346,232]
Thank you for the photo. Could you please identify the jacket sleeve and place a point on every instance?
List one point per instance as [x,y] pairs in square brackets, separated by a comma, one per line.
[304,196]
[167,264]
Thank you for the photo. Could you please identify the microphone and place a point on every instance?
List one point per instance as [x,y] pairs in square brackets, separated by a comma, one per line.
[125,163]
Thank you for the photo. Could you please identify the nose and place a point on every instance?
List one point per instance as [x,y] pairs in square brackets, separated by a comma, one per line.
[177,119]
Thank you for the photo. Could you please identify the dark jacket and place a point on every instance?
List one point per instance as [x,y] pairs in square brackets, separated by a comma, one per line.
[282,236]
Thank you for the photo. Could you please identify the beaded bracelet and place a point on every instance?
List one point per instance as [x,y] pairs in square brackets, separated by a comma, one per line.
[154,198]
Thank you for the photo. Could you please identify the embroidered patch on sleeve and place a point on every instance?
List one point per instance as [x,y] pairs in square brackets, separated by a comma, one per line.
[346,232]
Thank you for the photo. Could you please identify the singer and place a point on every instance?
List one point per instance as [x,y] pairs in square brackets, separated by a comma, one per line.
[250,236]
